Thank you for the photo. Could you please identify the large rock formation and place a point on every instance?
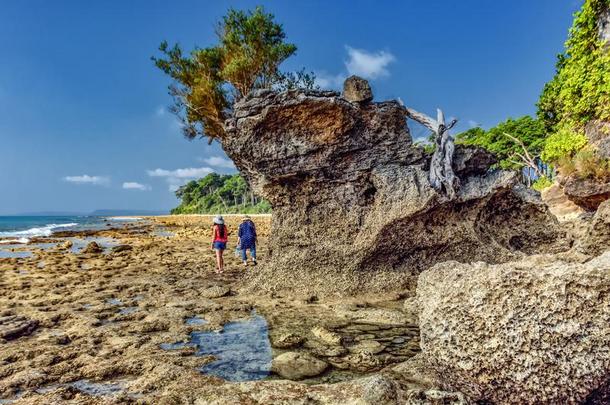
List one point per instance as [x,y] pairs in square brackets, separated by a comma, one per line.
[534,331]
[353,206]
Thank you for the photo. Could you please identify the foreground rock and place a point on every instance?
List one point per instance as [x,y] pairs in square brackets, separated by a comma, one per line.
[295,365]
[534,331]
[353,207]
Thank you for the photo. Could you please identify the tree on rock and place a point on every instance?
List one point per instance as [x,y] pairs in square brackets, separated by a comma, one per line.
[208,81]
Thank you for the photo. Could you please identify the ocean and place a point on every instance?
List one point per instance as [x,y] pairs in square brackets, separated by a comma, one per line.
[21,228]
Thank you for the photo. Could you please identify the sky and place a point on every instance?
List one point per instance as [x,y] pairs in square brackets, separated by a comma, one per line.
[84,123]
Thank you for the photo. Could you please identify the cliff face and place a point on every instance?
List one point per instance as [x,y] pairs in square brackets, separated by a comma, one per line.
[353,207]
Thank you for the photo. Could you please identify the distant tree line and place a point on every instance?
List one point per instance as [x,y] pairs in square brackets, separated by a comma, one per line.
[219,194]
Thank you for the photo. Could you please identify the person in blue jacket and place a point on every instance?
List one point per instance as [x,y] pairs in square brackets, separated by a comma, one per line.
[246,239]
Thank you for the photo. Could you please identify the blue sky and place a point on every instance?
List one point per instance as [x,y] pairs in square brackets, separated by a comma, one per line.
[83,121]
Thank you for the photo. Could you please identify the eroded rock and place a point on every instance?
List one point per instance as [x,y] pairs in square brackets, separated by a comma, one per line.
[532,331]
[586,193]
[357,89]
[92,248]
[296,365]
[596,240]
[353,207]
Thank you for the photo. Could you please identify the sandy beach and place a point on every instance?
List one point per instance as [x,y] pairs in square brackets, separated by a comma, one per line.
[110,327]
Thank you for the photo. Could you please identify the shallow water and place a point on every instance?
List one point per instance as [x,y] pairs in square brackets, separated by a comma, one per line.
[195,321]
[128,310]
[7,254]
[78,244]
[163,232]
[114,301]
[242,350]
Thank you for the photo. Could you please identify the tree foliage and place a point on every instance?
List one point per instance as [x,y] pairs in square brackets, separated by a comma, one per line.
[563,144]
[216,193]
[529,134]
[251,46]
[580,90]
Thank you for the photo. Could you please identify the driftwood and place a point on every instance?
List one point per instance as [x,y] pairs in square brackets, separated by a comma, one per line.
[441,177]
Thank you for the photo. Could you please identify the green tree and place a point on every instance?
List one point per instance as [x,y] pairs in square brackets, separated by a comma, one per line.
[516,142]
[216,193]
[251,47]
[580,90]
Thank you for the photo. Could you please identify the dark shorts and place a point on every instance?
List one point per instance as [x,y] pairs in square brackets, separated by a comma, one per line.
[220,245]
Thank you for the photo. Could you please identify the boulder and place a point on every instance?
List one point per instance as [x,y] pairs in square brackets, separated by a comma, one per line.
[92,248]
[215,291]
[531,331]
[296,365]
[357,89]
[353,209]
[586,193]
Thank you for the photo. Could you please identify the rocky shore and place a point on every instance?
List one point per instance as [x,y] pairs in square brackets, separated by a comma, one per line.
[148,321]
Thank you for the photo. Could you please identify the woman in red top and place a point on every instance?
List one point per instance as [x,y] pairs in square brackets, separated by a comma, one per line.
[220,236]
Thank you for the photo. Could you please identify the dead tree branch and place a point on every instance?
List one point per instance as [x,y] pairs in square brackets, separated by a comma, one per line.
[441,177]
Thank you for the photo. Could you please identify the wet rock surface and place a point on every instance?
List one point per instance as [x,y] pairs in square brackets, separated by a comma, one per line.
[353,208]
[533,331]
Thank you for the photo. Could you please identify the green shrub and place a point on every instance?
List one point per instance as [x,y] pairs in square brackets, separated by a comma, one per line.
[562,144]
[541,183]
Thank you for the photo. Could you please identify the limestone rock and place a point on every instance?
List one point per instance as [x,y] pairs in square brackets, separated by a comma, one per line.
[357,89]
[371,346]
[92,248]
[287,341]
[215,292]
[296,366]
[597,238]
[353,209]
[598,134]
[586,193]
[326,336]
[472,160]
[532,331]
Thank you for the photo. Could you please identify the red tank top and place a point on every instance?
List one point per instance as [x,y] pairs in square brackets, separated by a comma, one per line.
[217,237]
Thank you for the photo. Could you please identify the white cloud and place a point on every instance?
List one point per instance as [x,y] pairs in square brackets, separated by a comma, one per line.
[218,161]
[86,179]
[178,177]
[473,124]
[132,185]
[187,173]
[368,65]
[326,81]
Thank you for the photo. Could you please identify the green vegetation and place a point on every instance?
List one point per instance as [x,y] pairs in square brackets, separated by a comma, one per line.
[580,90]
[541,183]
[516,142]
[216,193]
[562,144]
[206,84]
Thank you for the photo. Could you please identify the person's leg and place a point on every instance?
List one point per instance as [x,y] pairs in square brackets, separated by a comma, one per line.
[244,257]
[253,253]
[218,260]
[222,260]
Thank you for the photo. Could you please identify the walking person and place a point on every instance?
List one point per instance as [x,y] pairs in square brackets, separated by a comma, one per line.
[247,239]
[220,236]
